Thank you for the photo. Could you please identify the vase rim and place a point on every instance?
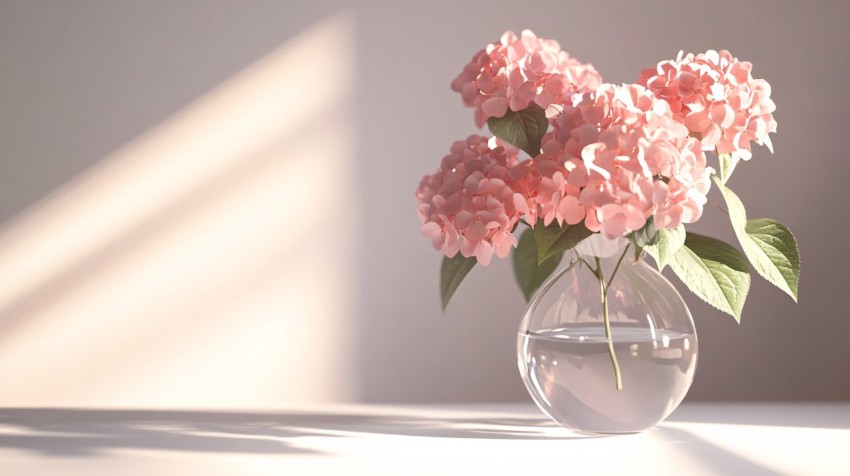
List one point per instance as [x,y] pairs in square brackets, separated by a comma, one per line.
[599,246]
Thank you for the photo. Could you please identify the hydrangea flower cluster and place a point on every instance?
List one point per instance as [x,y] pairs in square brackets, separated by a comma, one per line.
[518,70]
[613,157]
[622,158]
[468,206]
[714,95]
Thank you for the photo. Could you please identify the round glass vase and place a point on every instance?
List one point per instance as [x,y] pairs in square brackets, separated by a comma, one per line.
[607,345]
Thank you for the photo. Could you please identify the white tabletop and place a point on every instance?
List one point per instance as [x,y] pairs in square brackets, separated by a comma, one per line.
[511,439]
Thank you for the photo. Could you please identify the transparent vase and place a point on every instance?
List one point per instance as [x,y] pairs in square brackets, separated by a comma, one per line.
[607,345]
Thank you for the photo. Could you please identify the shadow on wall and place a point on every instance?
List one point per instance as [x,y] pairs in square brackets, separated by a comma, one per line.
[178,262]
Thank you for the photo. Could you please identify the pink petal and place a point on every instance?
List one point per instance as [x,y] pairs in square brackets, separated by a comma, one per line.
[463,219]
[722,114]
[634,218]
[520,204]
[467,247]
[614,226]
[711,136]
[591,220]
[484,253]
[502,244]
[476,231]
[608,211]
[495,106]
[431,230]
[571,209]
[697,121]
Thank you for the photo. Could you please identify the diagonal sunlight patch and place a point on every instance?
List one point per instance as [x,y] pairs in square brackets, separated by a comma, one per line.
[208,263]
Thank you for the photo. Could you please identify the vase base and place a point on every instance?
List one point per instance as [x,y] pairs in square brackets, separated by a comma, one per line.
[602,434]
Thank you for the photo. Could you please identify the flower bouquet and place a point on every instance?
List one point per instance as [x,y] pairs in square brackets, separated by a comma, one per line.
[575,160]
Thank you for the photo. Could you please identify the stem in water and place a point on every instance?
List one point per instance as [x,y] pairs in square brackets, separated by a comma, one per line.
[603,291]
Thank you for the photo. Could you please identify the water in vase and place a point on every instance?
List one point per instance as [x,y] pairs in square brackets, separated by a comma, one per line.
[569,373]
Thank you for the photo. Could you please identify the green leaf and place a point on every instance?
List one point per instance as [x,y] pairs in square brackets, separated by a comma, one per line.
[555,239]
[714,271]
[524,129]
[727,166]
[769,245]
[775,255]
[647,235]
[529,273]
[452,273]
[668,243]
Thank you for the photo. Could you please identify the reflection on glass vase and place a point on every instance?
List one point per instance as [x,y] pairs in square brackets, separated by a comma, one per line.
[607,345]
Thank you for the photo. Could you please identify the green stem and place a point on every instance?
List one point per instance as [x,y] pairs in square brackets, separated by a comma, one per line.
[611,279]
[603,288]
[587,264]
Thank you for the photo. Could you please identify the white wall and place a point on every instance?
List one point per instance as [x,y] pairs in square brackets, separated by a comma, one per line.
[260,275]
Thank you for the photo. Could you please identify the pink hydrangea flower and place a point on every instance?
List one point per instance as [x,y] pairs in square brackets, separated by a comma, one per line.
[617,156]
[469,205]
[715,96]
[518,70]
[543,183]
